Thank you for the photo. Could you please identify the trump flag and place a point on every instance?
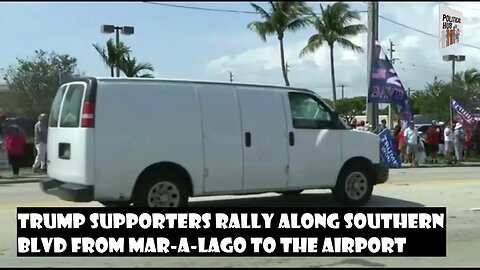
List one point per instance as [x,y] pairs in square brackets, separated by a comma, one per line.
[385,85]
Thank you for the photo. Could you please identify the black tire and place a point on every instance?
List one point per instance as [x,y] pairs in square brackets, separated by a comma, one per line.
[116,204]
[168,178]
[291,192]
[362,174]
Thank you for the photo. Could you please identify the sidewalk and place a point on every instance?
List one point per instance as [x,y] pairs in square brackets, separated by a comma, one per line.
[26,176]
[441,165]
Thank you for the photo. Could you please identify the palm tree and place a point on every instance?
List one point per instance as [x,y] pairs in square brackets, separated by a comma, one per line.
[282,16]
[131,68]
[471,77]
[333,25]
[112,55]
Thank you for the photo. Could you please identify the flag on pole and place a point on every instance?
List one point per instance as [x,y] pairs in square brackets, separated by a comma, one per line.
[464,117]
[385,85]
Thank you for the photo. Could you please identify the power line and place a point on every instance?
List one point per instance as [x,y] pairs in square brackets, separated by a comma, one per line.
[200,8]
[211,9]
[254,12]
[409,27]
[423,32]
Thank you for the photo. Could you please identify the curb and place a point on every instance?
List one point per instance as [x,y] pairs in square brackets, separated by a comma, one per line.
[19,181]
[429,166]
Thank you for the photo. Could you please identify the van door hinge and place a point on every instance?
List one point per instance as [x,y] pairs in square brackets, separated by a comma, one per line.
[287,169]
[205,173]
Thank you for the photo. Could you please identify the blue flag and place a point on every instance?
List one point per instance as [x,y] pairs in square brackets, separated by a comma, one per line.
[385,85]
[387,147]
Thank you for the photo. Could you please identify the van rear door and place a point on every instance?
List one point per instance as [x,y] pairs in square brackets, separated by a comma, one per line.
[70,134]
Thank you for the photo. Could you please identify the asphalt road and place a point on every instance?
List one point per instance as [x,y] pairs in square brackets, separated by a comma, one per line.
[456,188]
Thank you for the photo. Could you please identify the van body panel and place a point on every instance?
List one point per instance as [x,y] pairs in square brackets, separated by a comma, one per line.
[222,138]
[316,155]
[138,125]
[70,148]
[266,159]
[360,144]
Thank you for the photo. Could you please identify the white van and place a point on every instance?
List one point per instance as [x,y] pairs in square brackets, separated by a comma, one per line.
[155,143]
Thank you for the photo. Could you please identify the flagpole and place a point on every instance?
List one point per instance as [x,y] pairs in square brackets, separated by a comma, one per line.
[451,111]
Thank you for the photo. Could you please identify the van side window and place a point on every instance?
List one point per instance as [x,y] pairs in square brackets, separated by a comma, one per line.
[72,106]
[57,103]
[308,112]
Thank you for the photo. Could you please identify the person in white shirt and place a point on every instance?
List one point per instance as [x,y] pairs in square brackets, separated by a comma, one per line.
[411,138]
[449,147]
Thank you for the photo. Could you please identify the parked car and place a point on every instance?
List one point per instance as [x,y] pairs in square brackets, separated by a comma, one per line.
[155,143]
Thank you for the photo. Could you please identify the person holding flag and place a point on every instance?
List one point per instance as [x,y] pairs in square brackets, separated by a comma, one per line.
[467,125]
[459,142]
[385,87]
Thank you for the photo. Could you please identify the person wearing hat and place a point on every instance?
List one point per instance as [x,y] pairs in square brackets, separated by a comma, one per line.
[459,142]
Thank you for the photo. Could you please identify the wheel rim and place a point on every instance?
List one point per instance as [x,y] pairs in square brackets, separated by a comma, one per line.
[356,185]
[164,194]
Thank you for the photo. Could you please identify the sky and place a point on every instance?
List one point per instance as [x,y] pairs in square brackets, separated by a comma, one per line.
[203,45]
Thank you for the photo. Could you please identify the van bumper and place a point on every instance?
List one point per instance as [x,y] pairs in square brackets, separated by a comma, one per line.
[381,172]
[67,191]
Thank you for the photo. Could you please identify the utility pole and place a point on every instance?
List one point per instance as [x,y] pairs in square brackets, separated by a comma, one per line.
[342,85]
[409,92]
[372,108]
[287,67]
[390,112]
[231,77]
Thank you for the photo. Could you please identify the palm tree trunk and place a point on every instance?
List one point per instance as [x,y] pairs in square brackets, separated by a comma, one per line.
[282,59]
[332,70]
[112,73]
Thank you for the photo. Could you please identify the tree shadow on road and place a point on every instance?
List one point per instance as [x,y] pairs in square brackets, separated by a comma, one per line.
[301,200]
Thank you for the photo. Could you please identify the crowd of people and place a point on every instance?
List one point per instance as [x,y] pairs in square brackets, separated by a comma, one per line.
[15,142]
[450,141]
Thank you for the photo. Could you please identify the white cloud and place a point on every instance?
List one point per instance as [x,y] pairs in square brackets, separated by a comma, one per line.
[420,55]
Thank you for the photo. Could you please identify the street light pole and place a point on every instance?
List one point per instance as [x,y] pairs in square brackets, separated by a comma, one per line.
[454,59]
[372,108]
[126,30]
[117,43]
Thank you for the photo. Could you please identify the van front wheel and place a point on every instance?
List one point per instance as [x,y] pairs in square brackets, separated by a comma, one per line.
[354,186]
[162,190]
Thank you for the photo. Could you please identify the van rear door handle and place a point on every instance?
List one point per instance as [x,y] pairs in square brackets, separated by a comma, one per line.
[248,139]
[291,138]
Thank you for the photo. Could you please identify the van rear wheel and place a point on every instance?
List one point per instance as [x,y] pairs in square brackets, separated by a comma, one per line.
[354,186]
[162,189]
